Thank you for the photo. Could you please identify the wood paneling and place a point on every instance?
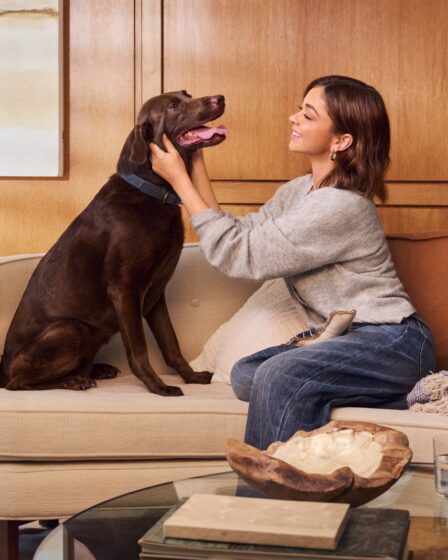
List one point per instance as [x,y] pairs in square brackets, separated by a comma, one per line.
[423,91]
[406,219]
[362,40]
[395,219]
[99,106]
[148,50]
[262,53]
[258,192]
[252,52]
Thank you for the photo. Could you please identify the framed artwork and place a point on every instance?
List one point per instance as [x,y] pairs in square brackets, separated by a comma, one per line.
[31,94]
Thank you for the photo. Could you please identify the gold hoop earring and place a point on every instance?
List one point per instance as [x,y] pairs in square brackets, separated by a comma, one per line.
[333,154]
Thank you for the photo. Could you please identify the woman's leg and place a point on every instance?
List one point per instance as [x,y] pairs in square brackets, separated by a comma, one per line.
[243,372]
[371,365]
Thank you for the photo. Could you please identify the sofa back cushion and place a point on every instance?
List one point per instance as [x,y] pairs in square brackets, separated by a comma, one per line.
[421,260]
[199,299]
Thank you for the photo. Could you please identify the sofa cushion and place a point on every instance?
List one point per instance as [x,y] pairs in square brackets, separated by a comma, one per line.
[119,419]
[421,260]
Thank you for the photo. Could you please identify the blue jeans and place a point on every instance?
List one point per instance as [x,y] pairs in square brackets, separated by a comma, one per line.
[292,388]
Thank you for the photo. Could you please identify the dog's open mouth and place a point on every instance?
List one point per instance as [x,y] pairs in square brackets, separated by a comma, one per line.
[206,135]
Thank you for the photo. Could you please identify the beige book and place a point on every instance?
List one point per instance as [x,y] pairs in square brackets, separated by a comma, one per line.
[258,521]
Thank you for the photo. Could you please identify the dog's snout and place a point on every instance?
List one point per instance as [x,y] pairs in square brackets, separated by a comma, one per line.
[217,99]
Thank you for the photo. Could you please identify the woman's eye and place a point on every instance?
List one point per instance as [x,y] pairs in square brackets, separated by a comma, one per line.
[306,116]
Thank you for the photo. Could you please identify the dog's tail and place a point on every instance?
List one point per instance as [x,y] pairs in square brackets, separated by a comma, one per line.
[4,379]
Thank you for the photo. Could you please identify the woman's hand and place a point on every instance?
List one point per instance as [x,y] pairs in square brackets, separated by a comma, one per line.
[169,164]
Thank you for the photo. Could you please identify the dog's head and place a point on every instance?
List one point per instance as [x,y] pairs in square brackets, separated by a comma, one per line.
[181,118]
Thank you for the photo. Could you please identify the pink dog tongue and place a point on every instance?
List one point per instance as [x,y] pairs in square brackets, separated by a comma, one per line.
[206,133]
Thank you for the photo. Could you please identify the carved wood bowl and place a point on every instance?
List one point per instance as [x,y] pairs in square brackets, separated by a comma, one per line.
[349,462]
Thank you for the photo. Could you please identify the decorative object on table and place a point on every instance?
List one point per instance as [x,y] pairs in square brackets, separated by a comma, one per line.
[370,533]
[343,461]
[211,517]
[430,394]
[441,464]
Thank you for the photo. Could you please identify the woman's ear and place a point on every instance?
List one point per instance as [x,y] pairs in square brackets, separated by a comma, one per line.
[343,142]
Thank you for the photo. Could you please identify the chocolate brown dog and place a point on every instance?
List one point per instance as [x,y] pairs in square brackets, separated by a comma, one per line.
[109,269]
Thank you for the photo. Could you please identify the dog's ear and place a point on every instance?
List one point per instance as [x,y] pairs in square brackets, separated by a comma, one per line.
[142,135]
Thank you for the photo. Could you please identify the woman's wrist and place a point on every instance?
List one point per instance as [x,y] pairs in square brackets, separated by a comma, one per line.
[198,156]
[190,197]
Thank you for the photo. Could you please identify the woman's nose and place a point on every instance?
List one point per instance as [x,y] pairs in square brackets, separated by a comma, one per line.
[294,118]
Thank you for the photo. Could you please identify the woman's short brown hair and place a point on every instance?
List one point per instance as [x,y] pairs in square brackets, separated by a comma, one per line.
[358,109]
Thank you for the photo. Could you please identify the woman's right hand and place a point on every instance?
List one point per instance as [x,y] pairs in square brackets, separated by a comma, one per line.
[168,164]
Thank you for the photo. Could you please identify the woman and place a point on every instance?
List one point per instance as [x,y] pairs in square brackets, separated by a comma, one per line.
[321,232]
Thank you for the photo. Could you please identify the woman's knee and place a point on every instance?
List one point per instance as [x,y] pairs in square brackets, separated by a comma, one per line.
[241,379]
[257,369]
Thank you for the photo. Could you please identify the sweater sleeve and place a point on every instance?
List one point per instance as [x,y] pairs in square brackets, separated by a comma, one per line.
[275,206]
[326,227]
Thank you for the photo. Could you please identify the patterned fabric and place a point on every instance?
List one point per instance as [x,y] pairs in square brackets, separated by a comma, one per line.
[430,394]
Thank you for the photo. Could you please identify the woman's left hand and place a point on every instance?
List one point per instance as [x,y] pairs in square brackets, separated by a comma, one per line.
[169,164]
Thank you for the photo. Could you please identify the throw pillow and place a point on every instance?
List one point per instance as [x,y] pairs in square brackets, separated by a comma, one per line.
[269,317]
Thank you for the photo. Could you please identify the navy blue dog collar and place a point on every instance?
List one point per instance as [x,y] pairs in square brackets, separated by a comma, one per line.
[160,193]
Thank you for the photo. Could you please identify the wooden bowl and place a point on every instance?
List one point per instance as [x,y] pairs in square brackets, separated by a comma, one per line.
[349,462]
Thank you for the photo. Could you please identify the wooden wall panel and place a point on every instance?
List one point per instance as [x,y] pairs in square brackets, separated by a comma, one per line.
[256,52]
[423,91]
[406,219]
[262,53]
[99,108]
[252,52]
[258,192]
[148,50]
[395,219]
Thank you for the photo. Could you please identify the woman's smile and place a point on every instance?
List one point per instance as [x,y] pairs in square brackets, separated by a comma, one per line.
[295,134]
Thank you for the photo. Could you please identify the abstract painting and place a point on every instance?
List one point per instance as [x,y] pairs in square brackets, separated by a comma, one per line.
[31,99]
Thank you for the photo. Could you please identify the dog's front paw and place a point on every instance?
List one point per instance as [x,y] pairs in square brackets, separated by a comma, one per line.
[168,391]
[203,377]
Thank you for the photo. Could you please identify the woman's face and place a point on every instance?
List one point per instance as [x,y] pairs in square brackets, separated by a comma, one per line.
[311,126]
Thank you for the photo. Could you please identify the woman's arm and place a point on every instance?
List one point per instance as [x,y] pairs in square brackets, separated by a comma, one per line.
[171,167]
[200,179]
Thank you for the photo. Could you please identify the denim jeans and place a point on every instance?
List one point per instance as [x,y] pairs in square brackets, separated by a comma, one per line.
[292,388]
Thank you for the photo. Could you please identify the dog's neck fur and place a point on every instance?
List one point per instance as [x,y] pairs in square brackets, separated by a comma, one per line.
[144,170]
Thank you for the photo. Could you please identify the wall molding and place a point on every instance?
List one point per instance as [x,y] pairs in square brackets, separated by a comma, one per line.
[400,193]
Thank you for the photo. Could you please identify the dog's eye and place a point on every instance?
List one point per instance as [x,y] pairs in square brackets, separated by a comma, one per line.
[173,105]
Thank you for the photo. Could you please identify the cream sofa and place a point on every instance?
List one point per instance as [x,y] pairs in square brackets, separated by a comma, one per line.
[63,451]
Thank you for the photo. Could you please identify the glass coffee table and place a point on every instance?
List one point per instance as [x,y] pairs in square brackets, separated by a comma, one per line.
[111,530]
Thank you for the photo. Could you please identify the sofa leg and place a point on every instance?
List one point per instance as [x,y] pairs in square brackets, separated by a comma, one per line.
[9,540]
[69,545]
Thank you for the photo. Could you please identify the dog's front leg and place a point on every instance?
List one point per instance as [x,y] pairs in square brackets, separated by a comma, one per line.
[128,309]
[159,322]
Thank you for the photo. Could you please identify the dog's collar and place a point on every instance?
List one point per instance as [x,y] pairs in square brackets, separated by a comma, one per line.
[160,193]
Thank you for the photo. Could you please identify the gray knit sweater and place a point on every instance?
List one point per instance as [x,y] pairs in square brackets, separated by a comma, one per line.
[328,245]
